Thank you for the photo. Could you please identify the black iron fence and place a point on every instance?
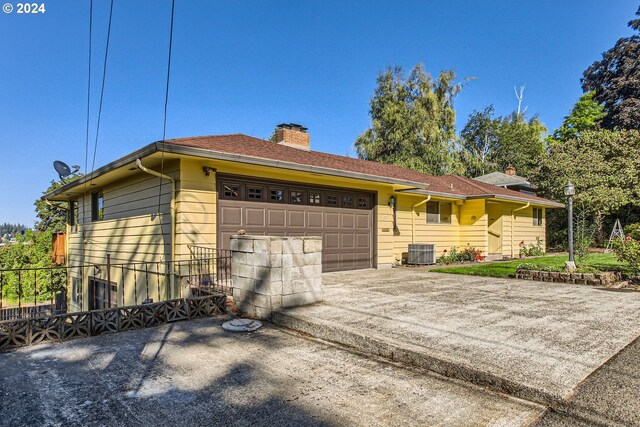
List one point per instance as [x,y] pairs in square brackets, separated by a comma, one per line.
[34,292]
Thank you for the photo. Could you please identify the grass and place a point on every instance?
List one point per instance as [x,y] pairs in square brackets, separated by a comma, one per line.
[601,262]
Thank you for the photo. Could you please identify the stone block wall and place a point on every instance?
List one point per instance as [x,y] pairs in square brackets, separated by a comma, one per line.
[594,279]
[272,272]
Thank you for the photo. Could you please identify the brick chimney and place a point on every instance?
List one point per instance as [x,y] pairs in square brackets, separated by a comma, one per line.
[510,170]
[293,135]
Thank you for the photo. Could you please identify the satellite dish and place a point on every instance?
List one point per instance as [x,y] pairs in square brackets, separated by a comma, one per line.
[62,168]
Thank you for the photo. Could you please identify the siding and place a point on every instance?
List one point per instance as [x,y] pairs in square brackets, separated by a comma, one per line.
[473,225]
[132,230]
[518,226]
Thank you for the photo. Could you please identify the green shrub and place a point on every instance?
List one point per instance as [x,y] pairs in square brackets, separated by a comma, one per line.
[633,231]
[533,249]
[454,255]
[628,250]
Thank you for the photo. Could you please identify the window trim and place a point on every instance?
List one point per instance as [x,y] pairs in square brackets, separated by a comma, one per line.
[97,206]
[538,220]
[438,204]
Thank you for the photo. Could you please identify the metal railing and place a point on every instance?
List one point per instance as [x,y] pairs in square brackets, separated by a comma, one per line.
[32,292]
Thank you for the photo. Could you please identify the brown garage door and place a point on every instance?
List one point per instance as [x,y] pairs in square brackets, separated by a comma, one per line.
[343,218]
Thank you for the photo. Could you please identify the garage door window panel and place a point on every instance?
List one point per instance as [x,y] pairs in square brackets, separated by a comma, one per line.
[296,197]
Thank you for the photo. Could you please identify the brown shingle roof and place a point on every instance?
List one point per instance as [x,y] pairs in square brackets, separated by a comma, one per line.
[245,145]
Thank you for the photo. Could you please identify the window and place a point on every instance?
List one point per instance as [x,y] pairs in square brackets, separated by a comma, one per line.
[438,213]
[254,193]
[231,191]
[276,195]
[537,217]
[314,198]
[97,206]
[73,215]
[363,202]
[296,197]
[332,200]
[347,201]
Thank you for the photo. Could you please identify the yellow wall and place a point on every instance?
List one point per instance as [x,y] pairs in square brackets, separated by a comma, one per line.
[518,226]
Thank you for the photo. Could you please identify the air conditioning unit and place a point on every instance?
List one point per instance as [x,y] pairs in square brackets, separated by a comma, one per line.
[421,254]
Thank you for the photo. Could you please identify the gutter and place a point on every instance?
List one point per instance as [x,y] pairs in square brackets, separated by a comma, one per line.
[413,218]
[172,209]
[513,220]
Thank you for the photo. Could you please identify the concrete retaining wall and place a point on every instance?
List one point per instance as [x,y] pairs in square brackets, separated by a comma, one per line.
[272,272]
[594,279]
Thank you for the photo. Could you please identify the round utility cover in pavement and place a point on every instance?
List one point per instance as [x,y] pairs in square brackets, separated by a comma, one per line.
[241,325]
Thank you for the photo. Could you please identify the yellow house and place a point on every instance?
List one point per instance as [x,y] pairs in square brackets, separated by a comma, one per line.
[155,203]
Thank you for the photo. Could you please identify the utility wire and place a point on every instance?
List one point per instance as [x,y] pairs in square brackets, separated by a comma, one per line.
[86,143]
[104,77]
[166,102]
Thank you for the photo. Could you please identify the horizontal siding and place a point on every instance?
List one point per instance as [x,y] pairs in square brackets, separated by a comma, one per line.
[473,225]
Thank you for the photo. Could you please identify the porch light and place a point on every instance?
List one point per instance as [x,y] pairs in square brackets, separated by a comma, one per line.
[392,202]
[569,189]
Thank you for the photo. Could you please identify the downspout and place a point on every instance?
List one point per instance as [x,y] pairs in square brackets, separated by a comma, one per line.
[413,219]
[172,206]
[513,218]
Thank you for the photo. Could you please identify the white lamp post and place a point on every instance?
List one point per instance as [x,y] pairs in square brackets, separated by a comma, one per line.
[570,191]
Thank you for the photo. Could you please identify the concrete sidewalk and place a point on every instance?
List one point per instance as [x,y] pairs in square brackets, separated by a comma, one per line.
[533,340]
[194,373]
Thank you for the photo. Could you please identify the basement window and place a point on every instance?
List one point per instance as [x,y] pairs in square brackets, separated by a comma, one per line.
[97,206]
[537,217]
[438,213]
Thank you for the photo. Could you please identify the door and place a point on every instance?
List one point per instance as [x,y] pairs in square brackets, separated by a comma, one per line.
[343,218]
[494,211]
[101,294]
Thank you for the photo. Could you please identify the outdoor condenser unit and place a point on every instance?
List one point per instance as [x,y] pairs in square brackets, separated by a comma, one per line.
[421,254]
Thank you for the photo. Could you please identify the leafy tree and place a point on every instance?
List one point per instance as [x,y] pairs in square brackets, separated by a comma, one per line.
[586,114]
[52,216]
[603,165]
[616,81]
[490,143]
[413,121]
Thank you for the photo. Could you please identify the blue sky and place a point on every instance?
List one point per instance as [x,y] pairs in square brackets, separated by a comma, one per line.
[245,66]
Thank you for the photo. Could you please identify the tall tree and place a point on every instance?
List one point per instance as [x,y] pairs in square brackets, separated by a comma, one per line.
[603,165]
[586,114]
[490,143]
[616,81]
[413,121]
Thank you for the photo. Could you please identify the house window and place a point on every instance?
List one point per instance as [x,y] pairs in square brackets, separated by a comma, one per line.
[73,215]
[332,200]
[254,193]
[438,213]
[363,202]
[296,197]
[537,217]
[231,191]
[347,201]
[97,206]
[314,198]
[276,195]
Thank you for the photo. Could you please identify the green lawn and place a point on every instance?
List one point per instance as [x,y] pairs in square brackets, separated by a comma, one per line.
[508,268]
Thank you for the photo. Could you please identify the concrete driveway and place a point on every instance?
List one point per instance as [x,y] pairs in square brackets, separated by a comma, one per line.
[533,340]
[195,374]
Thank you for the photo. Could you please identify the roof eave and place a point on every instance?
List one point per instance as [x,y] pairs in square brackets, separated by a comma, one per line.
[116,164]
[218,155]
[545,203]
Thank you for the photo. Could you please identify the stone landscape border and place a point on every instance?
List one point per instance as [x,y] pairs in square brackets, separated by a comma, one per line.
[63,327]
[594,279]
